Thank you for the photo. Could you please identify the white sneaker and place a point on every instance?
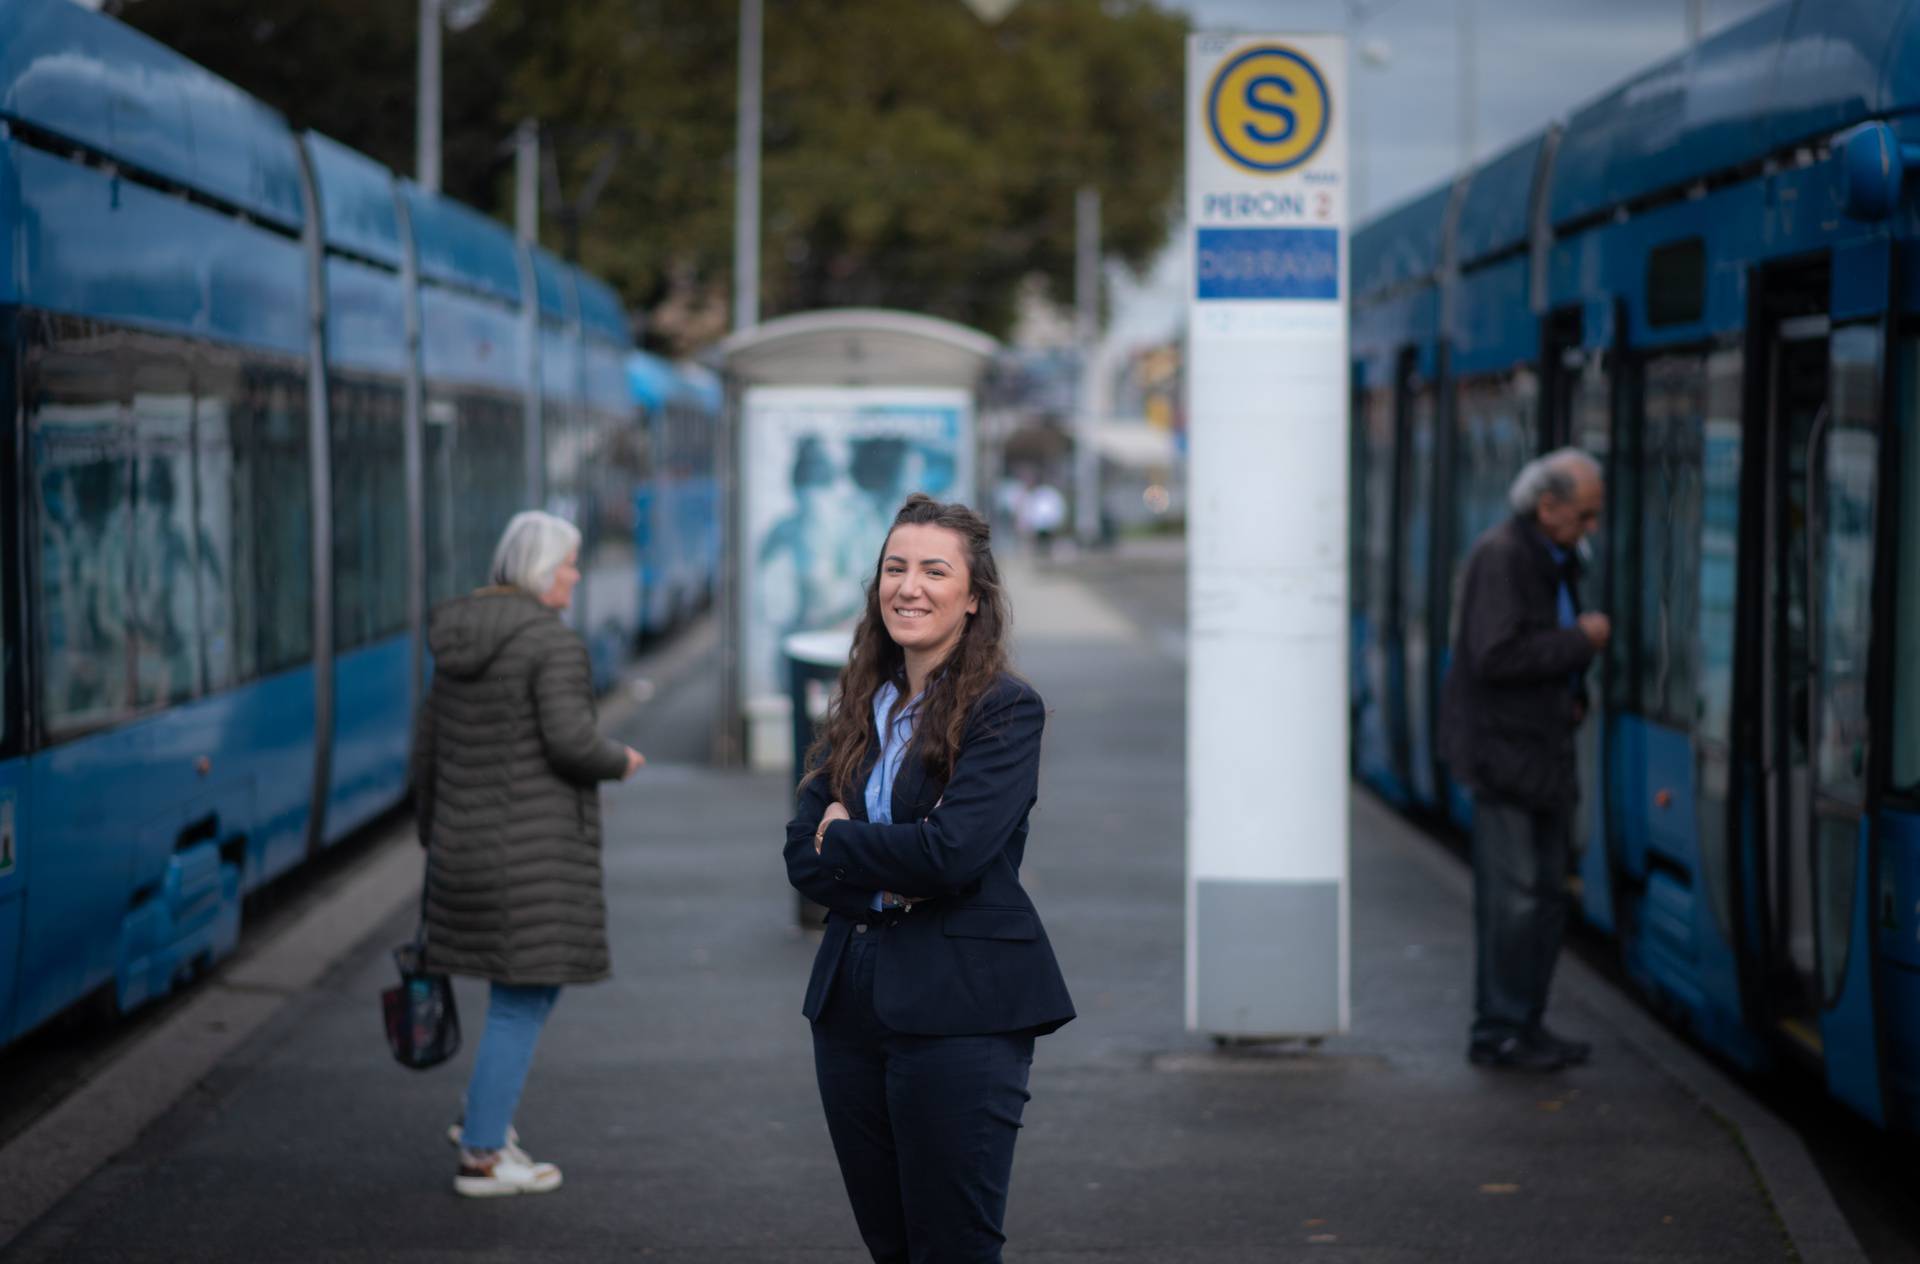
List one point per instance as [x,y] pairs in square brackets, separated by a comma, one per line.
[505,1175]
[456,1135]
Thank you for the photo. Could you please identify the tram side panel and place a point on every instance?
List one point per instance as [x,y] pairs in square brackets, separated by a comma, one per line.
[166,524]
[373,644]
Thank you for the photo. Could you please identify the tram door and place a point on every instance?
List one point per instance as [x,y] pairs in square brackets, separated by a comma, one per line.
[1821,451]
[1579,413]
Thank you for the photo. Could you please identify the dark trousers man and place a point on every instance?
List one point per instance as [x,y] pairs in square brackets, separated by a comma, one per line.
[1520,864]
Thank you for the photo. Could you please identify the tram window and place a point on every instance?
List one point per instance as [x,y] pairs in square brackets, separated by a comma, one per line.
[1845,467]
[1495,424]
[80,454]
[165,619]
[476,481]
[1848,458]
[562,456]
[369,512]
[386,411]
[10,497]
[253,470]
[226,545]
[1379,516]
[282,516]
[1677,283]
[1671,456]
[1357,498]
[1719,553]
[1906,655]
[440,416]
[352,532]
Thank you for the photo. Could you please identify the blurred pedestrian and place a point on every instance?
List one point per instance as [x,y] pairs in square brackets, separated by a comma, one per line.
[1043,511]
[934,976]
[1508,713]
[506,771]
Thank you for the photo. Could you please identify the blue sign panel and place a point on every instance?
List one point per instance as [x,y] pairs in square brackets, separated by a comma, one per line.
[1268,263]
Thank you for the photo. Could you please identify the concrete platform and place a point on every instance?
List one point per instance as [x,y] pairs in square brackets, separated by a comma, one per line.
[679,1098]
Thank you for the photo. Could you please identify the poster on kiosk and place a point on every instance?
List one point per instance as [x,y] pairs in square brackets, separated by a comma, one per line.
[1267,817]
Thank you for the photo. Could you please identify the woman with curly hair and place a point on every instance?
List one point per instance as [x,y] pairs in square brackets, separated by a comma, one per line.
[934,976]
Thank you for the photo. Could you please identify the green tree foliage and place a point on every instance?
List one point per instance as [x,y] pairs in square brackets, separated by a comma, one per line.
[346,68]
[915,156]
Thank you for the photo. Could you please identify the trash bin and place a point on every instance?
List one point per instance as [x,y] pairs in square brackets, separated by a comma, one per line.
[814,663]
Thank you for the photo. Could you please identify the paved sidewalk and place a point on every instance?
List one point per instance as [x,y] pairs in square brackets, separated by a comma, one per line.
[679,1098]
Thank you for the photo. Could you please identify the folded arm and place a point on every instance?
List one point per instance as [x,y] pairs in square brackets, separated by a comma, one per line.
[805,869]
[994,782]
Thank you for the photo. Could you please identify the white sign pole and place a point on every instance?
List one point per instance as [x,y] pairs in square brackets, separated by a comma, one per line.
[1267,817]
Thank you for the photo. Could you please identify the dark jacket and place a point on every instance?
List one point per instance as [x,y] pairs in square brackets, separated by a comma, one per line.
[1508,708]
[506,766]
[973,958]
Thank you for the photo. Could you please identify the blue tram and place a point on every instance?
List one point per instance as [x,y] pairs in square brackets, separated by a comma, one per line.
[1709,279]
[676,510]
[264,404]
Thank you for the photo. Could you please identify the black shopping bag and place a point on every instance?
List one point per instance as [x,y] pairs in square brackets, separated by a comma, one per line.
[423,1026]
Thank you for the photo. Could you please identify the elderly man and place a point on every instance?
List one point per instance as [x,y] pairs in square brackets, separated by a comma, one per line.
[1507,714]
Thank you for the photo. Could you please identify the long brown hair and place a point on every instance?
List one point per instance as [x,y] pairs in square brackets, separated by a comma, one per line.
[976,661]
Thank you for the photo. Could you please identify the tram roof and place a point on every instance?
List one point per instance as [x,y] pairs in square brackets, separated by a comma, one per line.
[601,311]
[652,380]
[84,78]
[1498,207]
[555,287]
[356,201]
[1794,73]
[1402,245]
[859,346]
[457,245]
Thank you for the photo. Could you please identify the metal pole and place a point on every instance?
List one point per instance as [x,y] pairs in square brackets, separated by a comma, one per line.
[1696,20]
[427,115]
[1469,101]
[526,180]
[1356,135]
[746,192]
[1086,301]
[729,748]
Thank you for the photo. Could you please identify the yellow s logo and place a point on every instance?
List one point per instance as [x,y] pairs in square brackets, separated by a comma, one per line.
[1268,109]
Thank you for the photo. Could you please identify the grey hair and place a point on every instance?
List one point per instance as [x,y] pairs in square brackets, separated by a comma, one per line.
[1552,474]
[531,549]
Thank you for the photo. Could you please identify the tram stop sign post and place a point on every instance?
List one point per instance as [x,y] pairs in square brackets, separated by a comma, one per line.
[1267,952]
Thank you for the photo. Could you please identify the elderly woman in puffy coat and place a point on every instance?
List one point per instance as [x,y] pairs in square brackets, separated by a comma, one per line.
[506,771]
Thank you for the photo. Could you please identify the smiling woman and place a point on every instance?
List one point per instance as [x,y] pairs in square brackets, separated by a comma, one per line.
[911,829]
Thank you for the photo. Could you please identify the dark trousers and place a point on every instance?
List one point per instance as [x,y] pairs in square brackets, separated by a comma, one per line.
[1520,865]
[923,1126]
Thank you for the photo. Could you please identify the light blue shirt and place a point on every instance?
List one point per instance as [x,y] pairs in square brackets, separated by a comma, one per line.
[894,739]
[1559,555]
[1564,597]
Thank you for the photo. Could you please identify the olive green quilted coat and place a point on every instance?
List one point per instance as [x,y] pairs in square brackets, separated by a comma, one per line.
[506,771]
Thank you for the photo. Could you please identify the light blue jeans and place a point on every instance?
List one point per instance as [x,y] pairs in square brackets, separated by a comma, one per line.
[515,1016]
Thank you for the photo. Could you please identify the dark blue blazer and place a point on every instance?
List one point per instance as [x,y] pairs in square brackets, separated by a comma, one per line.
[973,958]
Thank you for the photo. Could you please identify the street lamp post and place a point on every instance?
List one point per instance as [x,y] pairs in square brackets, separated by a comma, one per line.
[426,139]
[1466,16]
[746,189]
[1086,329]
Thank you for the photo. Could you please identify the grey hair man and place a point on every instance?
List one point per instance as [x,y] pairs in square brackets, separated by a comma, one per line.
[1508,713]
